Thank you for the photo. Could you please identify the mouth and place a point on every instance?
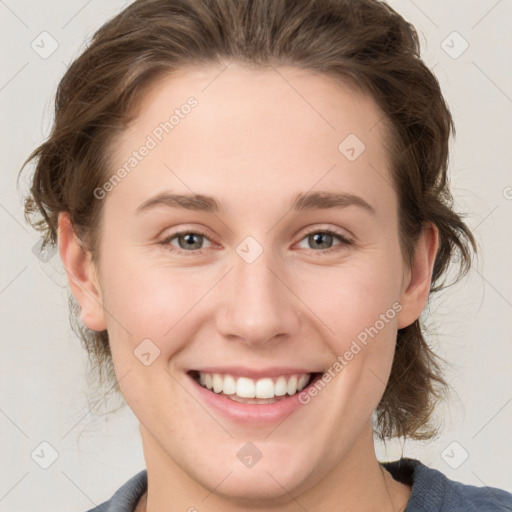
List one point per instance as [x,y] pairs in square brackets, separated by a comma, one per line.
[246,390]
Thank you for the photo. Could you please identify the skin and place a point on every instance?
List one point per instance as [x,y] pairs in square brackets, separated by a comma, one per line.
[254,142]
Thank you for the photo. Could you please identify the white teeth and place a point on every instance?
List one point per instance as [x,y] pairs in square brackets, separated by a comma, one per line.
[302,382]
[291,387]
[217,383]
[247,388]
[280,387]
[264,388]
[229,385]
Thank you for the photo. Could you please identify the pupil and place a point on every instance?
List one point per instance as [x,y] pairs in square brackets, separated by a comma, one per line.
[189,241]
[319,236]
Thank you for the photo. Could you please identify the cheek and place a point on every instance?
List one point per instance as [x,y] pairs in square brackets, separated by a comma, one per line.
[150,323]
[165,304]
[348,300]
[149,302]
[343,302]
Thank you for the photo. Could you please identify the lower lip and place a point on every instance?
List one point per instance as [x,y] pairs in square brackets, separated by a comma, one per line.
[251,413]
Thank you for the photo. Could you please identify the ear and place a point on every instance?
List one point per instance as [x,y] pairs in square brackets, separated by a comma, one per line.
[417,281]
[82,275]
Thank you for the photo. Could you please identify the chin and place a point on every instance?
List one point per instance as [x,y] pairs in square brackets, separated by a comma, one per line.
[273,481]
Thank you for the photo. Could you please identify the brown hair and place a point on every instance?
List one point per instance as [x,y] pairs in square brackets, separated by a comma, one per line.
[361,42]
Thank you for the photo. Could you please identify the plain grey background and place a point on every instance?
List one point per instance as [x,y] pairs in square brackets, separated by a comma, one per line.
[42,366]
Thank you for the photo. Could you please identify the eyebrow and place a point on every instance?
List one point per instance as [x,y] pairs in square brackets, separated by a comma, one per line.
[302,202]
[326,200]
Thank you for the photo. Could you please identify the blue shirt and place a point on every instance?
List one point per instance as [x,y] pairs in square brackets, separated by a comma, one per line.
[431,491]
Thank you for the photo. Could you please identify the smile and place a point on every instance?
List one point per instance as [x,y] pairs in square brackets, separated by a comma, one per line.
[260,398]
[248,390]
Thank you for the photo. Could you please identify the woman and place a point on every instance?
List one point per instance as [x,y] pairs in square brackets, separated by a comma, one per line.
[251,203]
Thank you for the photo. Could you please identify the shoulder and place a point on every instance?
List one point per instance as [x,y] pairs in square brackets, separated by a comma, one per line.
[432,491]
[126,497]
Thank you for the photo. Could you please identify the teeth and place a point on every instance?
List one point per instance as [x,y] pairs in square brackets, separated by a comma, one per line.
[280,387]
[217,383]
[291,386]
[303,382]
[264,388]
[246,388]
[229,385]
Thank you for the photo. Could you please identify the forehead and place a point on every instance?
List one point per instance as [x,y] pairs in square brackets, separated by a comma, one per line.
[278,131]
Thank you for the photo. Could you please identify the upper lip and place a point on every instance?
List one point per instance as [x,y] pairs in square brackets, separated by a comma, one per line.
[254,373]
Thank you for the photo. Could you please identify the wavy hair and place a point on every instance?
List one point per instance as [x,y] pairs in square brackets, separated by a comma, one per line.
[364,43]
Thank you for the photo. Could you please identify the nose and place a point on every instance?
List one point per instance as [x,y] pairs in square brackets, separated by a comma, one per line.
[259,306]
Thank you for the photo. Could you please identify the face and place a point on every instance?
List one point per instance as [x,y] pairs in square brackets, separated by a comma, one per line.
[265,284]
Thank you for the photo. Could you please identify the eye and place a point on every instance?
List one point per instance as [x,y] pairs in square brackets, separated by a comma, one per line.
[188,241]
[191,241]
[324,239]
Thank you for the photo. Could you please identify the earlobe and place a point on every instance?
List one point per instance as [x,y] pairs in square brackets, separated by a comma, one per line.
[82,275]
[417,287]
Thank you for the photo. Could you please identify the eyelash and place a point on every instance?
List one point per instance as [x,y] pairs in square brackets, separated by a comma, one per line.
[343,239]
